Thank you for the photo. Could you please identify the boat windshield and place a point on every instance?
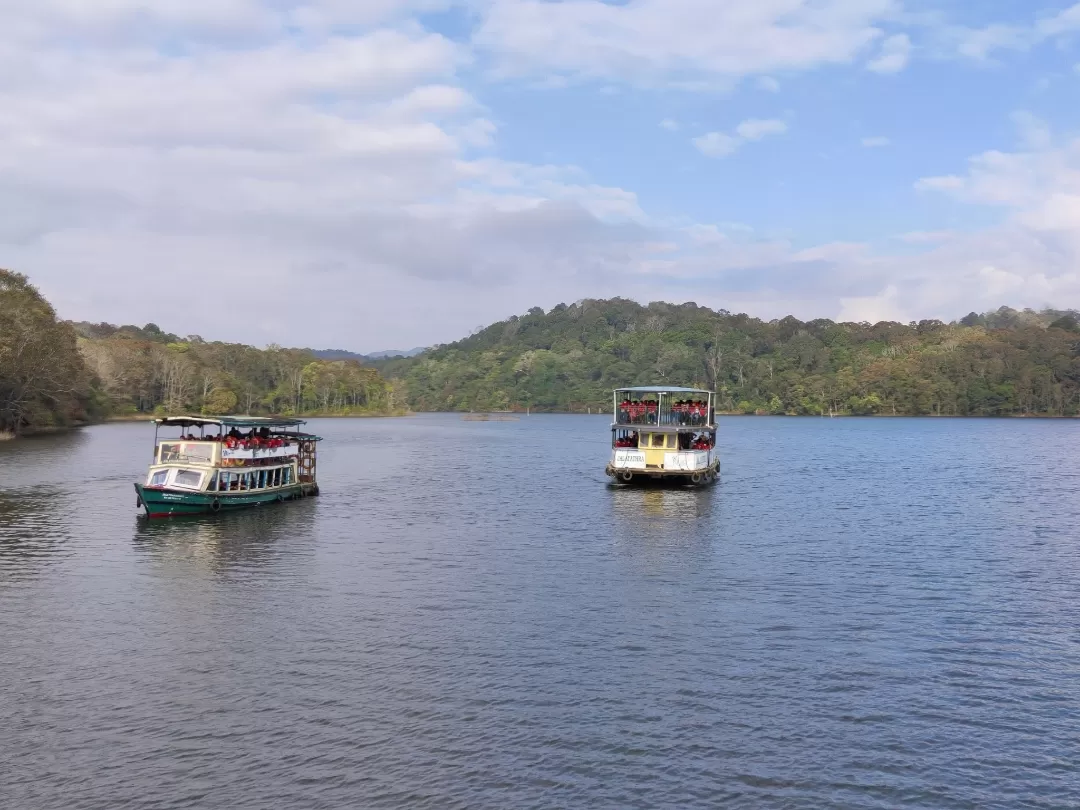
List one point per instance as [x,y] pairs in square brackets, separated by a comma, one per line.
[186,452]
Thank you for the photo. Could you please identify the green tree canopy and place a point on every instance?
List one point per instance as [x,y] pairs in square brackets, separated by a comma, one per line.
[998,363]
[43,379]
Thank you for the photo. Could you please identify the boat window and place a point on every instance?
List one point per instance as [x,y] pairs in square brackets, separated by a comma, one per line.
[187,478]
[277,477]
[158,478]
[286,475]
[262,479]
[170,452]
[212,486]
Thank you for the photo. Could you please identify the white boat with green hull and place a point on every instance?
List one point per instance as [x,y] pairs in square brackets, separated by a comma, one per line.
[235,462]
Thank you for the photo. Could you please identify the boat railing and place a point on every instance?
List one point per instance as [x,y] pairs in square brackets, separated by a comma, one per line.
[689,423]
[284,451]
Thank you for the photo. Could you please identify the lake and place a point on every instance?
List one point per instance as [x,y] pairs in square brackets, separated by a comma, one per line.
[864,613]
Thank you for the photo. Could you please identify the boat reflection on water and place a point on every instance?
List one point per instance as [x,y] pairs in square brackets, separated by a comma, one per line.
[662,519]
[664,502]
[249,539]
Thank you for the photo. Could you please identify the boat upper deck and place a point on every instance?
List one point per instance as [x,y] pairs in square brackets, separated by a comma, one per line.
[237,422]
[664,407]
[266,440]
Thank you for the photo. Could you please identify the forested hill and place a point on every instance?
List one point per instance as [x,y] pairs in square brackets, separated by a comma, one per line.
[57,374]
[999,363]
[147,370]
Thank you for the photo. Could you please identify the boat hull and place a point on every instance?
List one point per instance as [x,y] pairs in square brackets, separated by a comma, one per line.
[704,477]
[160,503]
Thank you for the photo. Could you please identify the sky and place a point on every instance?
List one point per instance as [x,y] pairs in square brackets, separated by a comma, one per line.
[373,174]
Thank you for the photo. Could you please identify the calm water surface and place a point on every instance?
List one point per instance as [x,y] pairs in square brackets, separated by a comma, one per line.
[863,614]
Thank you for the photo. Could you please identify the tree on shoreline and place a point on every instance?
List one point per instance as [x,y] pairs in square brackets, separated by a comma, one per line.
[43,379]
[146,371]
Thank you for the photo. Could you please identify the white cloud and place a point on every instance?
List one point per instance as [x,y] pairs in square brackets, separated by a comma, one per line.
[348,161]
[720,144]
[1032,258]
[670,125]
[980,44]
[664,41]
[1034,132]
[348,165]
[768,84]
[894,55]
[717,144]
[875,141]
[754,129]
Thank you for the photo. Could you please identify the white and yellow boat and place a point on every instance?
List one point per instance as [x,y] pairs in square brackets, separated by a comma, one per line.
[663,433]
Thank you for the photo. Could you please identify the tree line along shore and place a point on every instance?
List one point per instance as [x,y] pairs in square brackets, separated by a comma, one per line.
[56,374]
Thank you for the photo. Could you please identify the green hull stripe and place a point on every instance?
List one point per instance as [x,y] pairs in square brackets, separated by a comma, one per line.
[174,502]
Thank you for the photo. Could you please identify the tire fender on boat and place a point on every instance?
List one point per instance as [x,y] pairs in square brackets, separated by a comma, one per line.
[627,476]
[695,478]
[215,505]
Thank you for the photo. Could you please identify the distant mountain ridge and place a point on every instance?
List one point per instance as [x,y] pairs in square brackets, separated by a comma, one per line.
[342,354]
[397,353]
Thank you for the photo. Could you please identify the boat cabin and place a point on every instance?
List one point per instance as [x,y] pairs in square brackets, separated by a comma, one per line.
[663,431]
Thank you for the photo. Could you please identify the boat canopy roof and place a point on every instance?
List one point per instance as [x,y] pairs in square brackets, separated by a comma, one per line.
[661,389]
[231,421]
